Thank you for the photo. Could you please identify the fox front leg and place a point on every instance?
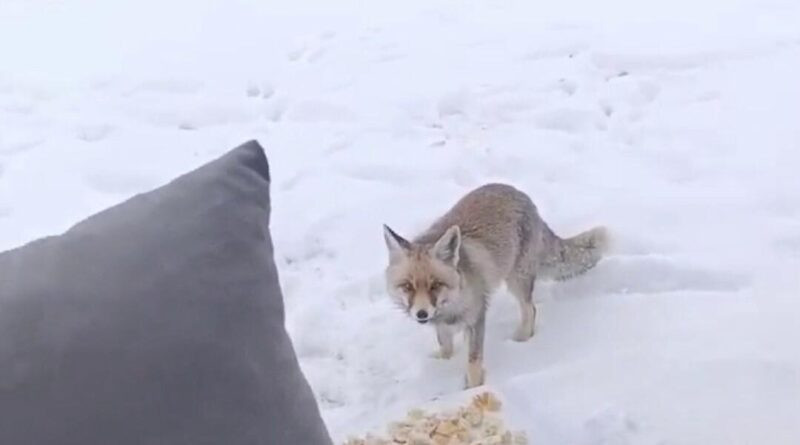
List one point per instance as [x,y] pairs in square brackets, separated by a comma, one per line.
[475,372]
[444,335]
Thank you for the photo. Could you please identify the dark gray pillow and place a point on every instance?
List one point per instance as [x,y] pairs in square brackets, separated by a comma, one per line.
[158,321]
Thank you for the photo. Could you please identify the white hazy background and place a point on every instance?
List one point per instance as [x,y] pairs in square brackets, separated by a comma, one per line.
[675,123]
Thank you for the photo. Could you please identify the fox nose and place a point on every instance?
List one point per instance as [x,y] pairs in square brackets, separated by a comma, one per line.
[422,315]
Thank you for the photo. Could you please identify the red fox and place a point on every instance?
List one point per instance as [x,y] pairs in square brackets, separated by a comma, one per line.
[493,234]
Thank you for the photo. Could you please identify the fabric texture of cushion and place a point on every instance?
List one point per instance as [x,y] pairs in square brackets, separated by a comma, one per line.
[159,321]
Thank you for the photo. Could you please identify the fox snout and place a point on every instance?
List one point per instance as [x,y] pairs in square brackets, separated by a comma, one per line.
[422,309]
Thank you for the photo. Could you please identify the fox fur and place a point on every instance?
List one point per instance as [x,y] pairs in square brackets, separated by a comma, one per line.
[492,235]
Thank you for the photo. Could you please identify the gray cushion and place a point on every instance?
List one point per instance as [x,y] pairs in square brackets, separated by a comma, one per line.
[157,321]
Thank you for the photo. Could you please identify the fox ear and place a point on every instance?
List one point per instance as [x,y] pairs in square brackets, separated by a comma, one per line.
[446,249]
[396,243]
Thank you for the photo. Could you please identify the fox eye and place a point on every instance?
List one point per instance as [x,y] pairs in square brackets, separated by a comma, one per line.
[437,285]
[406,287]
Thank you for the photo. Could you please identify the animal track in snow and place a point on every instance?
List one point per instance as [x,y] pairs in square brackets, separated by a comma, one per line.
[314,50]
[614,426]
[389,57]
[790,245]
[19,146]
[317,54]
[93,133]
[198,113]
[276,109]
[648,274]
[568,120]
[561,51]
[171,86]
[381,173]
[18,107]
[453,103]
[650,62]
[295,54]
[568,86]
[117,182]
[314,111]
[264,91]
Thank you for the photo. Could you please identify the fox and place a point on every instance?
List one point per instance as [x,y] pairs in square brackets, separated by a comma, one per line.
[444,277]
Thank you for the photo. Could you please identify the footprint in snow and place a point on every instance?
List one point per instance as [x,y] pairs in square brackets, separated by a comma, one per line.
[168,86]
[571,121]
[118,182]
[567,86]
[264,91]
[316,111]
[614,426]
[314,51]
[93,133]
[647,274]
[379,173]
[15,147]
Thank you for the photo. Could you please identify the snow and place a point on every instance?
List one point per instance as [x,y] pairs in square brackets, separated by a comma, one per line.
[672,122]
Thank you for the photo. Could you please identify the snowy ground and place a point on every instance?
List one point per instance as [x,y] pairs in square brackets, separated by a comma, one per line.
[675,123]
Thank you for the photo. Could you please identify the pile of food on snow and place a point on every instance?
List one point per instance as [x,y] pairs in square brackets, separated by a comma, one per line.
[477,423]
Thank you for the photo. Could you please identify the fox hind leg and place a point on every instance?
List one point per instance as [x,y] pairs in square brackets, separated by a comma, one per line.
[521,286]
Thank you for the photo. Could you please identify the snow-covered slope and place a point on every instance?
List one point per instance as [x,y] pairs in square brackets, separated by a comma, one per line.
[675,123]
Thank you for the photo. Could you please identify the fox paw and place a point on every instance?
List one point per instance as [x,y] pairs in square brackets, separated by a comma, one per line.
[442,354]
[523,333]
[475,376]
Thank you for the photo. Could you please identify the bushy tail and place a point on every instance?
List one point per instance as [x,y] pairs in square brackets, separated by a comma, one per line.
[567,258]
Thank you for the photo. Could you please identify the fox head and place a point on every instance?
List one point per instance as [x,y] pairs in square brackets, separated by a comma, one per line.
[423,278]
